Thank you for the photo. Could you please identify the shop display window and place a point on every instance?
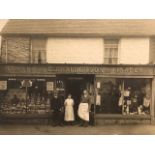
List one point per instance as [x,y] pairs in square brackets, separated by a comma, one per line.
[123,96]
[30,96]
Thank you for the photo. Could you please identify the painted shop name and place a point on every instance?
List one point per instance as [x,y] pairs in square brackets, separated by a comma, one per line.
[88,70]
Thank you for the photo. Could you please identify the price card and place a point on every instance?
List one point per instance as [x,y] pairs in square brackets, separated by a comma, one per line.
[3,85]
[98,85]
[49,86]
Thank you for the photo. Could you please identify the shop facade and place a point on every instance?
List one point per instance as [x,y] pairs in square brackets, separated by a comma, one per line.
[26,90]
[112,59]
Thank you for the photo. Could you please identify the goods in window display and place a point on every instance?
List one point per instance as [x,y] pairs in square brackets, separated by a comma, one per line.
[134,104]
[48,106]
[146,104]
[15,100]
[140,110]
[19,100]
[18,106]
[39,105]
[127,101]
[121,101]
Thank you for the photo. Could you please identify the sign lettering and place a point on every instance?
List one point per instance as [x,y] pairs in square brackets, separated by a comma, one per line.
[75,69]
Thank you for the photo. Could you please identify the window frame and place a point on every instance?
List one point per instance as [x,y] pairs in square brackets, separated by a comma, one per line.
[109,57]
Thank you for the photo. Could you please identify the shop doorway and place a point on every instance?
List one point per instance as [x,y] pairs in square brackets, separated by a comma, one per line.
[75,85]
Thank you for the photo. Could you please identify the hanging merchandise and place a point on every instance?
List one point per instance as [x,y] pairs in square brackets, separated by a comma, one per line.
[26,83]
[98,100]
[121,101]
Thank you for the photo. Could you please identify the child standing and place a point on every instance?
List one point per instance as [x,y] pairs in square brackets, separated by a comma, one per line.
[69,110]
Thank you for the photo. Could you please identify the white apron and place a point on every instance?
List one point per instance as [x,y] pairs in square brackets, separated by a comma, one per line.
[83,111]
[69,110]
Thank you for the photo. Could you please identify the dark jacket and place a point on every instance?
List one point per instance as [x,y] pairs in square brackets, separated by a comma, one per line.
[56,104]
[85,99]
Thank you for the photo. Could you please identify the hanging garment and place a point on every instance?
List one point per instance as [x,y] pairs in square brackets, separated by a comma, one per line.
[146,102]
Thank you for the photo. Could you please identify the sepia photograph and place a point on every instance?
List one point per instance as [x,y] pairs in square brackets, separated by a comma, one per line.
[77,76]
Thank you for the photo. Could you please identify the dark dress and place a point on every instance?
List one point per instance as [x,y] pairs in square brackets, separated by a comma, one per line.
[115,99]
[57,107]
[85,99]
[91,115]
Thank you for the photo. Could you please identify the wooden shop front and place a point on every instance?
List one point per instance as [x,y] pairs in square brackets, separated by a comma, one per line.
[34,84]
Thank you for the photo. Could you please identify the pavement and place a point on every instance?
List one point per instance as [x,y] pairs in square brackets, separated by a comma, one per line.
[76,130]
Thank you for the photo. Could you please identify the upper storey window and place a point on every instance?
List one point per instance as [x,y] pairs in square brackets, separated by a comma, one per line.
[111,51]
[38,54]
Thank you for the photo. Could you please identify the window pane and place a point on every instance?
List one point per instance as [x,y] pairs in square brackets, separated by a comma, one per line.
[38,50]
[114,53]
[111,51]
[107,53]
[114,61]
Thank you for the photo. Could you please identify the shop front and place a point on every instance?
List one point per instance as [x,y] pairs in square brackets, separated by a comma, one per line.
[120,94]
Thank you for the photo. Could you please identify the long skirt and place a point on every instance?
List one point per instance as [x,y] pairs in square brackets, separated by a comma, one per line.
[69,113]
[83,111]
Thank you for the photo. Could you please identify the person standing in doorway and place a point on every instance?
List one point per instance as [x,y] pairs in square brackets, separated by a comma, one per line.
[84,108]
[57,107]
[69,110]
[115,99]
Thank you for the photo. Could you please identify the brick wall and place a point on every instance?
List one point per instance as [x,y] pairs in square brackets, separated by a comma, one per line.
[3,50]
[18,49]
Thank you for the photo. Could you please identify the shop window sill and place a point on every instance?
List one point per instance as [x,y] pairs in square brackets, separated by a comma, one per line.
[25,116]
[120,116]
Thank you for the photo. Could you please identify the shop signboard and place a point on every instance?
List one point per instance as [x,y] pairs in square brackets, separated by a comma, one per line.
[3,85]
[50,69]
